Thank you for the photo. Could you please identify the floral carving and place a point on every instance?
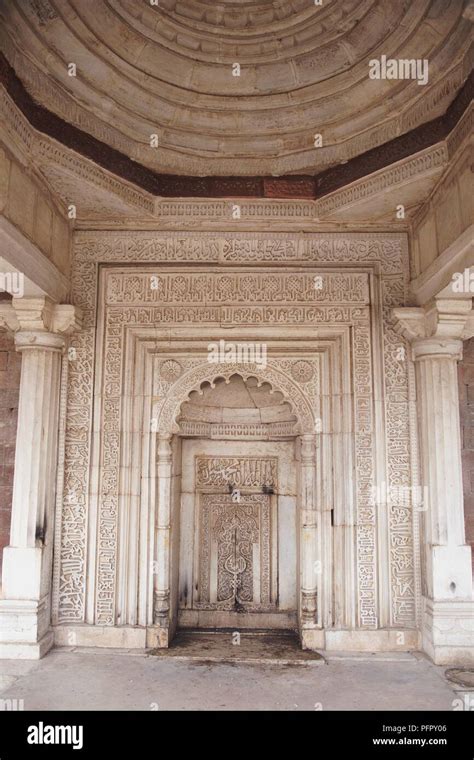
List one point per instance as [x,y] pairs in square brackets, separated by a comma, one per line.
[170,370]
[302,371]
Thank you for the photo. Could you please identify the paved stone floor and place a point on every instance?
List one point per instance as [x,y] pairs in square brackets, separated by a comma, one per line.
[266,647]
[94,679]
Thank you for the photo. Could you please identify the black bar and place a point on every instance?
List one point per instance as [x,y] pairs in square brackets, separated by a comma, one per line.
[328,734]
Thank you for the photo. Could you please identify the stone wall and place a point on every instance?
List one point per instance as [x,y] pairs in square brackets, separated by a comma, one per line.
[30,206]
[446,216]
[466,397]
[10,365]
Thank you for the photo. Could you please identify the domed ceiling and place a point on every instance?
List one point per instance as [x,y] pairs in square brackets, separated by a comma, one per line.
[169,69]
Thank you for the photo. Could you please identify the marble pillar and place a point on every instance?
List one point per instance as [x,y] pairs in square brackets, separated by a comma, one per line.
[41,329]
[436,333]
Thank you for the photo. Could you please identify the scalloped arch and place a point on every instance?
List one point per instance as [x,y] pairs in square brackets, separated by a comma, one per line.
[192,380]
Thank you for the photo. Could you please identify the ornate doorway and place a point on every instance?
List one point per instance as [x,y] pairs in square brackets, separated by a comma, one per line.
[238,548]
[238,512]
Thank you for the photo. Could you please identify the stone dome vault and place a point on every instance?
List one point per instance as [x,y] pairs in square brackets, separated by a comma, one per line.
[168,69]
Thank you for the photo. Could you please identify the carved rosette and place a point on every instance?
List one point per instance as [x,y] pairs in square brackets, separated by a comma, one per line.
[170,370]
[302,371]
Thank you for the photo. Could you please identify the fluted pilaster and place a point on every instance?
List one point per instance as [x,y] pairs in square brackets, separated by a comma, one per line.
[436,333]
[40,328]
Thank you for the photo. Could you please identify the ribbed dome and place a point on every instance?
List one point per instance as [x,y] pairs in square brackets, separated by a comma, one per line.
[168,70]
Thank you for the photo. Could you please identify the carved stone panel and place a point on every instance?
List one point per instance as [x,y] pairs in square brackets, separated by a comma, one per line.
[248,472]
[234,532]
[234,557]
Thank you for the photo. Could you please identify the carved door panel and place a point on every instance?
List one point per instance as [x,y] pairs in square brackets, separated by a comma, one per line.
[237,556]
[235,552]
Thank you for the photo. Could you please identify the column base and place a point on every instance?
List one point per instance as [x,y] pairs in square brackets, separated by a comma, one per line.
[25,631]
[15,650]
[312,638]
[448,631]
[157,637]
[452,572]
[21,572]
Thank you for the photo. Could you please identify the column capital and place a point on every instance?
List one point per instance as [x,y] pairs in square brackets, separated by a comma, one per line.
[437,329]
[308,446]
[39,322]
[163,449]
[164,455]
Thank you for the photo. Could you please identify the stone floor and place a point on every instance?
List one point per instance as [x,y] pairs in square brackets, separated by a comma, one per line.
[265,647]
[95,679]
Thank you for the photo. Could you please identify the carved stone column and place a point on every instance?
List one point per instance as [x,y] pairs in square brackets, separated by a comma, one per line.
[40,328]
[311,638]
[159,635]
[436,333]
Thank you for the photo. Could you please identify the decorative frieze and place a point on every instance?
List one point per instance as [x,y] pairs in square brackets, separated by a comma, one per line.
[48,153]
[424,163]
[252,210]
[237,430]
[250,287]
[248,472]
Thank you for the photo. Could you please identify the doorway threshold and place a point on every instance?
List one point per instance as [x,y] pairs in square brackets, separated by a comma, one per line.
[221,645]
